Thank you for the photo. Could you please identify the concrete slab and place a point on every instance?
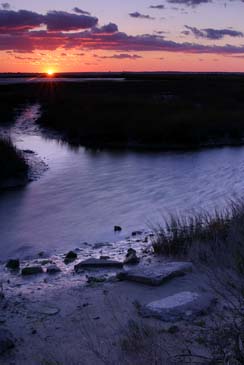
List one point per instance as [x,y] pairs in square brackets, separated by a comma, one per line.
[181,306]
[97,263]
[157,274]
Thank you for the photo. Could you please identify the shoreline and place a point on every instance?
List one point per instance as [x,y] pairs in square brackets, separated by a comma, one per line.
[35,300]
[46,307]
[140,147]
[110,311]
[43,308]
[36,168]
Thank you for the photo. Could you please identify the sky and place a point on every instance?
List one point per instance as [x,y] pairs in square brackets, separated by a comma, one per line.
[121,35]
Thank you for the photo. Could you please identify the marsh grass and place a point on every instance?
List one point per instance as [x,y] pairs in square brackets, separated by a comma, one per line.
[12,162]
[145,112]
[208,234]
[215,242]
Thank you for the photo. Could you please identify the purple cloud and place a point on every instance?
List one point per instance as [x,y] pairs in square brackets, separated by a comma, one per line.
[121,56]
[19,20]
[189,2]
[19,34]
[159,7]
[24,20]
[138,15]
[108,28]
[63,21]
[80,11]
[212,34]
[5,6]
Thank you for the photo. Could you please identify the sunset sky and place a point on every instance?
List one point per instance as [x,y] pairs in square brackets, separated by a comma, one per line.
[121,35]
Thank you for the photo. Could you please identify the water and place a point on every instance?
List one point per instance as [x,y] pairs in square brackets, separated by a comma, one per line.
[84,193]
[28,80]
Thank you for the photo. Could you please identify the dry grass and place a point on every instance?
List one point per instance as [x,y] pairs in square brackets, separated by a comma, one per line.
[204,232]
[216,243]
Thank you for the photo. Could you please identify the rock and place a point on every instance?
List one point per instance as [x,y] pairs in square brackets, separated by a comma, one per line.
[85,243]
[50,311]
[13,264]
[70,257]
[173,329]
[29,151]
[6,341]
[131,257]
[117,229]
[45,309]
[45,262]
[32,270]
[1,293]
[135,233]
[147,249]
[96,279]
[97,263]
[157,274]
[101,244]
[181,306]
[53,269]
[104,257]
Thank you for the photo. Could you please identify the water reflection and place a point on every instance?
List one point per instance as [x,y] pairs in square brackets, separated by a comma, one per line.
[85,193]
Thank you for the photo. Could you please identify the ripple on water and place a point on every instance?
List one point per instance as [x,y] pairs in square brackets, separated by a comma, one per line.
[84,193]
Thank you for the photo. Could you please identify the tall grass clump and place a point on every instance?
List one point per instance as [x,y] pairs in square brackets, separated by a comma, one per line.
[12,163]
[204,232]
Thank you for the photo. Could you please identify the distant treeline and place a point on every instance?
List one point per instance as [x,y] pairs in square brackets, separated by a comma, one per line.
[147,110]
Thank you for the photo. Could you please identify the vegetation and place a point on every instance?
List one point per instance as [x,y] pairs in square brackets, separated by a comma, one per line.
[215,243]
[207,235]
[148,110]
[12,163]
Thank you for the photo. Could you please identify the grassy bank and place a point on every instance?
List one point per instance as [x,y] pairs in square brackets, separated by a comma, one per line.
[12,164]
[205,235]
[149,111]
[215,244]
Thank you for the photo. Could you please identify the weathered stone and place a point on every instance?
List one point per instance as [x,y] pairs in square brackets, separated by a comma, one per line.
[70,257]
[43,308]
[135,233]
[29,151]
[117,229]
[32,270]
[53,269]
[45,262]
[96,279]
[156,275]
[181,306]
[131,257]
[6,341]
[101,244]
[97,263]
[13,264]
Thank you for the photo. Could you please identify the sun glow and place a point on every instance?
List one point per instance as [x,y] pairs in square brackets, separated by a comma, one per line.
[50,72]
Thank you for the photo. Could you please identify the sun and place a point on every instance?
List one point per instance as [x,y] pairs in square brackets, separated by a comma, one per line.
[50,72]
